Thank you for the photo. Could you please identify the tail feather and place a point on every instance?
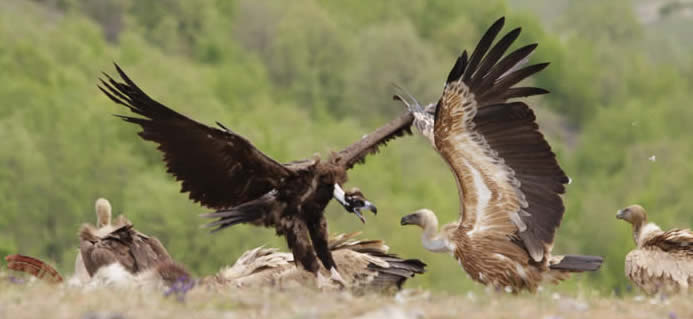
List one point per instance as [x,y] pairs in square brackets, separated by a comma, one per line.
[576,263]
[248,212]
[34,267]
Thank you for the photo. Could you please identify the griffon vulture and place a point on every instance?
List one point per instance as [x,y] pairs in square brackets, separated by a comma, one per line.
[365,266]
[662,260]
[102,228]
[508,179]
[223,171]
[135,251]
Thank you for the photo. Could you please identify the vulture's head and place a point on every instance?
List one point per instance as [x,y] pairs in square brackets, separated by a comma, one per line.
[421,218]
[633,214]
[355,202]
[103,212]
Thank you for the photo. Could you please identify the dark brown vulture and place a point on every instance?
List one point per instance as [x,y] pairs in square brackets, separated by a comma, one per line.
[662,260]
[508,179]
[223,171]
[365,265]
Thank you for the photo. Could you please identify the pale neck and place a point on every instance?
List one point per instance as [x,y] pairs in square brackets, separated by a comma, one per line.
[103,221]
[431,239]
[644,231]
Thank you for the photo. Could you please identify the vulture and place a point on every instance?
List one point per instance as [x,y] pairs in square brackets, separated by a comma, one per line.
[223,171]
[366,266]
[508,180]
[662,260]
[102,228]
[135,251]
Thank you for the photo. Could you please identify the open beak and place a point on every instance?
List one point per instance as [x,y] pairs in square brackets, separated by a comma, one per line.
[366,205]
[620,214]
[358,214]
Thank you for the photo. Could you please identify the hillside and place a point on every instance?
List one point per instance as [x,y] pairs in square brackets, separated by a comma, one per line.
[312,77]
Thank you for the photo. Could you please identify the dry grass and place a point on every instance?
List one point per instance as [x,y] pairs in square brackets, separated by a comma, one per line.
[39,300]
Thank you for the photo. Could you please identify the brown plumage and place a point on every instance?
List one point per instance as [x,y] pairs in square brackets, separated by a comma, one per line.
[34,267]
[223,171]
[508,179]
[103,227]
[365,266]
[662,260]
[124,245]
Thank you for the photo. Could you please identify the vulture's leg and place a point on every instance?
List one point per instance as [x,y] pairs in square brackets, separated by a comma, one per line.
[318,234]
[353,201]
[299,243]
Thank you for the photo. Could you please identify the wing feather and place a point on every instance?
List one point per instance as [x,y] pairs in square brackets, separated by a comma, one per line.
[371,143]
[217,167]
[676,239]
[508,177]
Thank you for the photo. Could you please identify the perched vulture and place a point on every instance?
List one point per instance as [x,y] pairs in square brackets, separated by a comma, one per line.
[508,179]
[365,266]
[663,260]
[103,227]
[135,251]
[223,171]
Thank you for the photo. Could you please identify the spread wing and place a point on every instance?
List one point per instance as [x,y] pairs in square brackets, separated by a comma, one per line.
[508,177]
[369,144]
[216,166]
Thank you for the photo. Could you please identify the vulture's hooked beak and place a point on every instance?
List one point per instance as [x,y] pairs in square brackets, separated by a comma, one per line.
[410,219]
[365,205]
[354,202]
[620,214]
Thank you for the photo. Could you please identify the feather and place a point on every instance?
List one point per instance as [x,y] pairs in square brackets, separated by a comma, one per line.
[34,267]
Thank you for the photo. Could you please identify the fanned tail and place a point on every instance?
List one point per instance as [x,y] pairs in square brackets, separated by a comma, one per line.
[34,267]
[245,213]
[392,271]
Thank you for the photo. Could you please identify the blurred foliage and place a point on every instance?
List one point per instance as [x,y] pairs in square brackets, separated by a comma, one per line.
[312,76]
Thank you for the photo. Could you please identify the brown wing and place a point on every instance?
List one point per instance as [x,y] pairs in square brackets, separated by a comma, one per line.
[507,175]
[367,266]
[114,247]
[125,245]
[34,267]
[676,239]
[218,167]
[147,251]
[370,144]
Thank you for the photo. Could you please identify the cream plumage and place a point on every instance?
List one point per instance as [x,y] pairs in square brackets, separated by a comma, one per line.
[365,265]
[662,260]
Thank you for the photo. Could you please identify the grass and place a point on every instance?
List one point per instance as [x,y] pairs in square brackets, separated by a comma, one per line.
[39,300]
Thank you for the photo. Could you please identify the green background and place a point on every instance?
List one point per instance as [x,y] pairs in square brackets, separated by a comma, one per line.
[309,76]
